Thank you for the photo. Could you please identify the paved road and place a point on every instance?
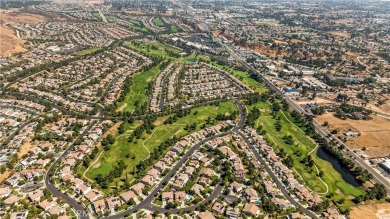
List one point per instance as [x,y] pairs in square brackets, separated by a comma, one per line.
[279,184]
[147,202]
[355,158]
[102,15]
[214,195]
[319,129]
[2,106]
[13,134]
[81,211]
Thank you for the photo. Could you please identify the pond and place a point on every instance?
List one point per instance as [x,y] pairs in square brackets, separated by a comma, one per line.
[345,173]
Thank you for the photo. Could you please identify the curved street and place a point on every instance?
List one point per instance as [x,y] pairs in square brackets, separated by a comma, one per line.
[147,202]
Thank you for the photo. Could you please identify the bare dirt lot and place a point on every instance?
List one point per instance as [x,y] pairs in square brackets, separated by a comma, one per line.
[340,34]
[315,100]
[5,175]
[9,42]
[374,211]
[374,134]
[24,148]
[12,18]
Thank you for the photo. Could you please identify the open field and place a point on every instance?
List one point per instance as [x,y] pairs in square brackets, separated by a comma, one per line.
[12,18]
[134,152]
[10,43]
[96,15]
[174,29]
[373,211]
[374,134]
[24,148]
[340,34]
[5,175]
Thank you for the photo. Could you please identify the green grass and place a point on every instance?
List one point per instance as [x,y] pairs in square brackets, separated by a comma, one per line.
[348,189]
[174,29]
[134,152]
[241,75]
[135,22]
[158,22]
[111,16]
[137,26]
[136,96]
[226,107]
[139,29]
[147,49]
[331,177]
[86,51]
[244,77]
[96,15]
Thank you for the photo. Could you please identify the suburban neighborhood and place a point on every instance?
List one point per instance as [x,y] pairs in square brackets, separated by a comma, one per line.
[194,109]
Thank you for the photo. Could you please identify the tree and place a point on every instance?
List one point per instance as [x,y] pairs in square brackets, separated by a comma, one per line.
[289,161]
[2,169]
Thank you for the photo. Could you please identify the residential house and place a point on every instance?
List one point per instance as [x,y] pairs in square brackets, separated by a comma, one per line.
[218,208]
[251,194]
[127,196]
[35,195]
[205,215]
[251,209]
[4,192]
[113,202]
[11,200]
[180,196]
[19,215]
[167,196]
[93,194]
[138,188]
[100,206]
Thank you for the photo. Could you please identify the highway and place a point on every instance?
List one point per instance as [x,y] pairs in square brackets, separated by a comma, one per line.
[355,158]
[319,129]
